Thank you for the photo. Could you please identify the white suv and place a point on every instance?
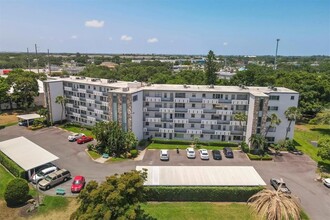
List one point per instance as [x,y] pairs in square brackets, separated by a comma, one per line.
[75,136]
[204,154]
[191,153]
[164,155]
[42,174]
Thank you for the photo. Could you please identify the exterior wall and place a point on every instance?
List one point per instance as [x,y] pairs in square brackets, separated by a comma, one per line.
[52,90]
[137,115]
[250,122]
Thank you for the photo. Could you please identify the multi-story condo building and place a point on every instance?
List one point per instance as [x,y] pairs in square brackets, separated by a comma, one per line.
[173,111]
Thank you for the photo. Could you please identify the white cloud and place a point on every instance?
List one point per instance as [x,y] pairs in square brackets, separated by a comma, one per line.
[74,37]
[152,40]
[126,38]
[225,43]
[94,24]
[110,38]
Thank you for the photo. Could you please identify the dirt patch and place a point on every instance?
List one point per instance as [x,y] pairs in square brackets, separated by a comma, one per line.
[301,127]
[9,213]
[8,118]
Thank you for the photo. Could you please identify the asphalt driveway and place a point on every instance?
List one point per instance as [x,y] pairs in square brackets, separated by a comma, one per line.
[297,171]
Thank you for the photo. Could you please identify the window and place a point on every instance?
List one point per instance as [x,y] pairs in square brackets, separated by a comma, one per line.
[158,134]
[158,105]
[179,115]
[203,105]
[147,123]
[158,114]
[216,96]
[193,95]
[258,130]
[272,108]
[180,105]
[158,125]
[270,139]
[274,97]
[226,97]
[135,98]
[165,95]
[259,121]
[272,129]
[292,97]
[180,95]
[193,105]
[232,96]
[193,115]
[202,125]
[179,125]
[203,116]
[261,104]
[202,135]
[203,95]
[147,103]
[192,125]
[165,105]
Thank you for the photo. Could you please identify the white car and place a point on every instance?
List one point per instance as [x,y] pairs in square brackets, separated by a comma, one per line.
[42,174]
[191,153]
[326,182]
[75,136]
[164,155]
[204,154]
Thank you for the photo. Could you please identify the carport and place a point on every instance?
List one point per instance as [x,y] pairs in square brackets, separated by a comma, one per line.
[202,176]
[26,154]
[28,117]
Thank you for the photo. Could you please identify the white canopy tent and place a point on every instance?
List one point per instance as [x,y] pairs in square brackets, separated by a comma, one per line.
[26,154]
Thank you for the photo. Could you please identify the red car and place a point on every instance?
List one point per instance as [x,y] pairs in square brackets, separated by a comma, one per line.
[78,184]
[84,139]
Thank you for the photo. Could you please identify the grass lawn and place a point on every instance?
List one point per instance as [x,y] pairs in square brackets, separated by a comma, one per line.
[8,119]
[76,129]
[174,146]
[51,203]
[305,133]
[117,159]
[93,154]
[199,210]
[5,177]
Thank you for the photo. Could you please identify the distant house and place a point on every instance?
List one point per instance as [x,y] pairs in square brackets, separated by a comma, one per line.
[110,65]
[225,75]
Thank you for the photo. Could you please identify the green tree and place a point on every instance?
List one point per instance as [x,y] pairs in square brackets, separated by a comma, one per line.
[274,121]
[257,142]
[112,139]
[119,197]
[292,114]
[4,89]
[44,113]
[275,205]
[324,148]
[61,100]
[241,117]
[17,192]
[210,69]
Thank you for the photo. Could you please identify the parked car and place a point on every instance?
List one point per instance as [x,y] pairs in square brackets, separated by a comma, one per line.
[191,153]
[84,139]
[54,178]
[326,182]
[78,184]
[276,183]
[40,175]
[25,122]
[228,152]
[75,136]
[216,155]
[164,155]
[204,154]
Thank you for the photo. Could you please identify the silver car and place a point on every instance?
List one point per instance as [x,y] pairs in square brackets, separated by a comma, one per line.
[164,155]
[191,153]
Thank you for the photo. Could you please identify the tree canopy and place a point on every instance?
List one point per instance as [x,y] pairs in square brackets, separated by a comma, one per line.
[210,68]
[324,148]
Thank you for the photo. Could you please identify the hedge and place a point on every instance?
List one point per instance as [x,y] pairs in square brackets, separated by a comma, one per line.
[201,193]
[258,157]
[11,166]
[187,142]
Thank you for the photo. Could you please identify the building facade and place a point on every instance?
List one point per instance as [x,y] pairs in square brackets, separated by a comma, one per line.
[173,111]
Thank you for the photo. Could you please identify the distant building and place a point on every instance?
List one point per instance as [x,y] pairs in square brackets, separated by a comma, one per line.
[225,75]
[110,65]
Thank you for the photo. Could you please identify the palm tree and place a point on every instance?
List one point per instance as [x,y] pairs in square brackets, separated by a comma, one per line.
[258,142]
[44,113]
[241,117]
[274,121]
[292,114]
[61,100]
[275,205]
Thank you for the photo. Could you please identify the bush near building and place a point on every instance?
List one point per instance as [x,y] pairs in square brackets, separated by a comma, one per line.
[187,142]
[200,193]
[11,166]
[17,192]
[259,157]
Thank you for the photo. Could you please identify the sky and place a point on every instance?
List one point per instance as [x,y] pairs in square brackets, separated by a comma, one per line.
[228,27]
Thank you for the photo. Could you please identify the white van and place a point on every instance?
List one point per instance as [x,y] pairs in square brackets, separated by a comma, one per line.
[43,173]
[164,155]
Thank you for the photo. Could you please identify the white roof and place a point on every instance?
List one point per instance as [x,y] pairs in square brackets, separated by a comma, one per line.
[25,153]
[202,176]
[28,116]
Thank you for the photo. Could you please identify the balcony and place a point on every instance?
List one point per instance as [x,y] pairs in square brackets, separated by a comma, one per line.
[153,109]
[150,129]
[167,99]
[91,101]
[97,111]
[224,112]
[153,99]
[82,90]
[76,114]
[67,88]
[181,110]
[105,104]
[238,123]
[166,120]
[180,121]
[180,130]
[209,122]
[97,93]
[193,131]
[166,130]
[91,118]
[156,120]
[209,111]
[219,132]
[195,120]
[181,100]
[167,110]
[224,101]
[69,105]
[83,108]
[199,100]
[195,111]
[208,132]
[75,98]
[210,101]
[223,122]
[239,102]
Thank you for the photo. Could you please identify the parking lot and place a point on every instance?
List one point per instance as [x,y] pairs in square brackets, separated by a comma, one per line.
[297,171]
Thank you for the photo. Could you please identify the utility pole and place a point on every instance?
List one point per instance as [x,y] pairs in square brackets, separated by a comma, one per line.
[28,59]
[275,64]
[35,46]
[49,70]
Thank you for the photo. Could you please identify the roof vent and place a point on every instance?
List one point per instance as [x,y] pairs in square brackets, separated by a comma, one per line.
[185,86]
[126,89]
[93,80]
[211,86]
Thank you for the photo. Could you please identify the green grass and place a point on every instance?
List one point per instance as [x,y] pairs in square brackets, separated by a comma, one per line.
[5,177]
[77,129]
[116,159]
[94,154]
[51,203]
[199,210]
[174,146]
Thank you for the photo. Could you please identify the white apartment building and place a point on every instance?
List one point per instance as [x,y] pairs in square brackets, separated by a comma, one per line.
[173,111]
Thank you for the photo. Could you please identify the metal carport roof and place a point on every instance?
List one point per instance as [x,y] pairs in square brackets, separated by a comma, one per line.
[202,176]
[25,153]
[28,116]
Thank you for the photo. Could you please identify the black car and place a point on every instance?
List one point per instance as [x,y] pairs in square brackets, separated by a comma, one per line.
[228,152]
[216,155]
[25,122]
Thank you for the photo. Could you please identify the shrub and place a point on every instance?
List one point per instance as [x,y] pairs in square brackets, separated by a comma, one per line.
[11,166]
[258,157]
[245,147]
[143,143]
[200,193]
[17,192]
[90,147]
[187,142]
[134,153]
